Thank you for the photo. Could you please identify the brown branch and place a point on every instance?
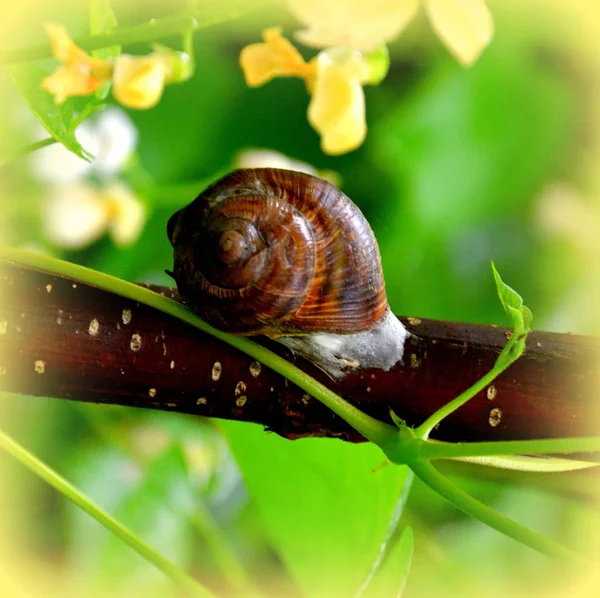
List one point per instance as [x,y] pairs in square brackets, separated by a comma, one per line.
[59,338]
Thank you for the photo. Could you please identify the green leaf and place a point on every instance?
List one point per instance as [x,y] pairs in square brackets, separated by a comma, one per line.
[512,302]
[56,119]
[391,579]
[321,504]
[103,20]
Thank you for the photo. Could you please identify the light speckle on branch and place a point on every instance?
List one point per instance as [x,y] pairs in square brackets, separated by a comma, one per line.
[216,371]
[94,327]
[135,344]
[39,366]
[495,417]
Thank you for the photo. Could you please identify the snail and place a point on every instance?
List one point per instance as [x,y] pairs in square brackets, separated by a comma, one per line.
[287,255]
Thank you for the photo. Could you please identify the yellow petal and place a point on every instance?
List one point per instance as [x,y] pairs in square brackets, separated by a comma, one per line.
[276,57]
[353,23]
[127,214]
[73,80]
[465,26]
[64,48]
[138,81]
[337,109]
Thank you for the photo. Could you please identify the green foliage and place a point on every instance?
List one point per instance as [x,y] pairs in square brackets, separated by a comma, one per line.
[58,120]
[512,303]
[465,154]
[333,509]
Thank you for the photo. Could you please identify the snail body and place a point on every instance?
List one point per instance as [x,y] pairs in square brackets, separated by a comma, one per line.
[287,255]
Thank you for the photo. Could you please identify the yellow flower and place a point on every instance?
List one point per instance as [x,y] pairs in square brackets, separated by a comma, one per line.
[276,57]
[138,81]
[80,74]
[334,78]
[337,109]
[464,26]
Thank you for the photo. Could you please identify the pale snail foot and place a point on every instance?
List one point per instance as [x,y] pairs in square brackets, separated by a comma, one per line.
[340,354]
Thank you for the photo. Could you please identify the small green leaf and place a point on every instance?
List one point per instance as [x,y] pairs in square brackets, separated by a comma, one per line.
[56,119]
[512,302]
[400,423]
[103,20]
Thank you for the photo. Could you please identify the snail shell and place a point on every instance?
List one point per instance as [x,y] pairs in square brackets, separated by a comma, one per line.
[287,255]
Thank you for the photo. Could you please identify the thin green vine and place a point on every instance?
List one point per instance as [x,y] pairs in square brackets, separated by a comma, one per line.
[201,18]
[31,462]
[428,474]
[26,150]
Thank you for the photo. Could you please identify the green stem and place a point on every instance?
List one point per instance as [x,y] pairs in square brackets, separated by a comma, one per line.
[434,419]
[178,576]
[26,149]
[460,499]
[146,32]
[203,17]
[374,430]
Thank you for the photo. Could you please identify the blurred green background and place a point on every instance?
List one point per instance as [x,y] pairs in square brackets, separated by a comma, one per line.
[460,167]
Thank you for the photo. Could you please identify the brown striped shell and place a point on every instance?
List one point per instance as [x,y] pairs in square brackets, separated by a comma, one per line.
[277,252]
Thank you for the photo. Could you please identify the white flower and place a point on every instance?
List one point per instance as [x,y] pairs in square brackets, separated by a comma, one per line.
[266,158]
[77,215]
[111,138]
[115,139]
[127,214]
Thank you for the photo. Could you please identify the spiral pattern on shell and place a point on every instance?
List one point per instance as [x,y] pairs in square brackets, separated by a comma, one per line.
[277,252]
